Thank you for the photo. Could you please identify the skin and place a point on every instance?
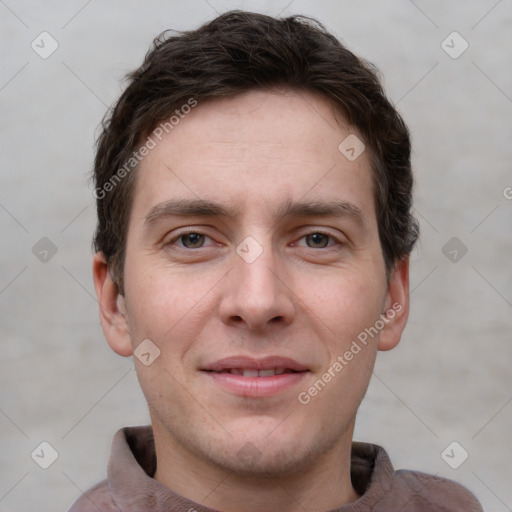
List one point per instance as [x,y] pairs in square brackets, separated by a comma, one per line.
[198,301]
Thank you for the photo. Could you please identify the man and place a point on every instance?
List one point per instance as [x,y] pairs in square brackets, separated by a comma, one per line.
[253,189]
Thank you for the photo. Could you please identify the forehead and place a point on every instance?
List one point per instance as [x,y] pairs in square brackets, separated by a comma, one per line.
[259,148]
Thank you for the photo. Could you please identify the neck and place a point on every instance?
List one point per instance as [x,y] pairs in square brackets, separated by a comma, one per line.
[324,484]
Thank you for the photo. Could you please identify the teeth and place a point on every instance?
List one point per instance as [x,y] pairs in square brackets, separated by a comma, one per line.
[270,372]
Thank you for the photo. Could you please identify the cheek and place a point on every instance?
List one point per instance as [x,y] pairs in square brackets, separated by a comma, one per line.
[346,305]
[347,309]
[152,310]
[168,308]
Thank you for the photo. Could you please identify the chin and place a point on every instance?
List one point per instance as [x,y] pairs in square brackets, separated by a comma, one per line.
[264,457]
[249,461]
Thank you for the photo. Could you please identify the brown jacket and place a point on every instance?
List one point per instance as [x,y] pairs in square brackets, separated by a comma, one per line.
[131,488]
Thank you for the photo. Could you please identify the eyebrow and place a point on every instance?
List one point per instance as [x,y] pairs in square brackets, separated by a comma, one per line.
[338,209]
[290,209]
[188,208]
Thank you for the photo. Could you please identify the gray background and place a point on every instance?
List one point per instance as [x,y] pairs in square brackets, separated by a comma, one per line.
[449,380]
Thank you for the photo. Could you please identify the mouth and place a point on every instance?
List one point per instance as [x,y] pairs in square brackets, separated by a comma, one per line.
[256,378]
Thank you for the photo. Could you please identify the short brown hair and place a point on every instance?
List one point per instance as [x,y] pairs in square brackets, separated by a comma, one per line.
[234,53]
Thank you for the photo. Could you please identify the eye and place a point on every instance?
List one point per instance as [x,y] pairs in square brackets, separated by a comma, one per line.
[191,240]
[318,240]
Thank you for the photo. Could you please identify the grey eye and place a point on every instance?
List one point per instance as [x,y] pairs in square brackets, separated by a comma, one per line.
[192,240]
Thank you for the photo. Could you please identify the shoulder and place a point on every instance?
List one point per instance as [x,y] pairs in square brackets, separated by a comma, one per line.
[421,492]
[96,498]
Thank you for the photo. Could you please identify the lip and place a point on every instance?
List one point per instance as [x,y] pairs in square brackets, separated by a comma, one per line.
[255,387]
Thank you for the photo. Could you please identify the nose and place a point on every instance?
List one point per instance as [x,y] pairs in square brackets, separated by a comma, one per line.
[256,295]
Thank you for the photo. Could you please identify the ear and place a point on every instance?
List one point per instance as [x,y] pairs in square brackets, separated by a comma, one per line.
[396,306]
[112,308]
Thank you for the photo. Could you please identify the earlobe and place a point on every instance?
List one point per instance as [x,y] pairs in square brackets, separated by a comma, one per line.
[396,307]
[113,314]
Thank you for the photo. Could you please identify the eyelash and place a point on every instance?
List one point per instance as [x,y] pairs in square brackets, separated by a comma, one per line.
[198,232]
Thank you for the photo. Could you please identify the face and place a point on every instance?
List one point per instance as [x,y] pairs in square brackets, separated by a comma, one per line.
[253,264]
